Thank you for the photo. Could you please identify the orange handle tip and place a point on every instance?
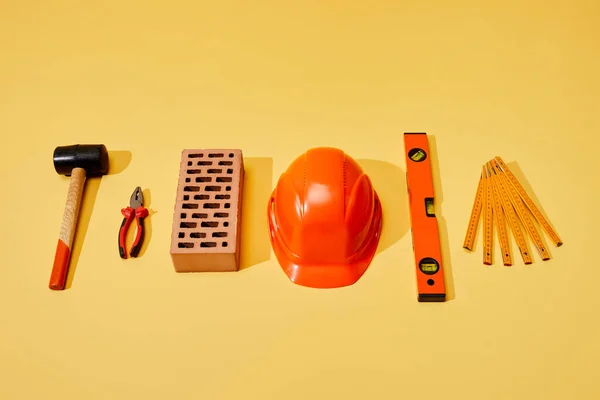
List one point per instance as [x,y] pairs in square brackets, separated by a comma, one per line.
[58,279]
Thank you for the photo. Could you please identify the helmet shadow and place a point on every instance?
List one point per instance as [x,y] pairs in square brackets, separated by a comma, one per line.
[389,182]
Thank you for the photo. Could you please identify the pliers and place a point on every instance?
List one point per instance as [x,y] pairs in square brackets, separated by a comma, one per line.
[136,209]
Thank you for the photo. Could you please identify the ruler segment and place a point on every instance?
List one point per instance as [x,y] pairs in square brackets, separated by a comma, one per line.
[522,213]
[488,222]
[499,220]
[513,220]
[544,223]
[475,216]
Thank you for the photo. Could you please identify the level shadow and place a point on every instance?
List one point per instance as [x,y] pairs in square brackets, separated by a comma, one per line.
[255,246]
[442,227]
[118,162]
[389,182]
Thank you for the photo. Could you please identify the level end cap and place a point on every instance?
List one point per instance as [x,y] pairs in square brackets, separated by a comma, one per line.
[432,297]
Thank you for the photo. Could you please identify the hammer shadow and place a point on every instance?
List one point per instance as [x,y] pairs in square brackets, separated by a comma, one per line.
[258,181]
[443,230]
[90,192]
[389,182]
[118,162]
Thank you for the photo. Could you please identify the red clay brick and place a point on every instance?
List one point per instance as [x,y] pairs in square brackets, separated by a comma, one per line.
[207,217]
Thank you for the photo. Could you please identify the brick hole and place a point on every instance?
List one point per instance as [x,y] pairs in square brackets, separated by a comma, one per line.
[224,244]
[183,215]
[215,155]
[195,155]
[230,170]
[185,245]
[225,162]
[188,225]
[209,224]
[189,205]
[188,180]
[201,197]
[186,197]
[181,235]
[191,189]
[222,197]
[213,188]
[219,234]
[214,171]
[208,244]
[194,171]
[225,224]
[212,205]
[190,163]
[203,179]
[228,188]
[224,179]
[227,205]
[204,163]
[199,215]
[221,215]
[198,235]
[230,155]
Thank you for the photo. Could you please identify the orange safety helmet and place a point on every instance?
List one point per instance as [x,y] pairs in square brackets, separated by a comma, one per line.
[324,219]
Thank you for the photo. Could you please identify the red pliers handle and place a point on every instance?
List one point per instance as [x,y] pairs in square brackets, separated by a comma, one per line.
[129,214]
[135,210]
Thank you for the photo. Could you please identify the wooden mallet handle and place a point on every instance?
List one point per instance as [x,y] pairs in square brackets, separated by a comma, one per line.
[62,257]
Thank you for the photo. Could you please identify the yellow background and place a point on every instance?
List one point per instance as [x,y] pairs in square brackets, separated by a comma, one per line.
[518,79]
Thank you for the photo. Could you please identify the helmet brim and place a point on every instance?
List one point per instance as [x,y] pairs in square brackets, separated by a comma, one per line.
[329,275]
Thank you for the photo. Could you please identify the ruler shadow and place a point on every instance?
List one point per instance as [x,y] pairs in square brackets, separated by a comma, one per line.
[513,166]
[443,230]
[518,173]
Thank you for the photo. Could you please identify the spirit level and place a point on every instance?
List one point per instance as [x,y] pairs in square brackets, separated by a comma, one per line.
[424,227]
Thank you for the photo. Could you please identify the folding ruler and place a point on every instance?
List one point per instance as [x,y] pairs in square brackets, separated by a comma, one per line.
[431,285]
[501,199]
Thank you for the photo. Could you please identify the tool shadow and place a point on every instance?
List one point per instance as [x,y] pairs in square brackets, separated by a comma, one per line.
[479,226]
[258,183]
[442,227]
[518,173]
[147,225]
[389,182]
[118,162]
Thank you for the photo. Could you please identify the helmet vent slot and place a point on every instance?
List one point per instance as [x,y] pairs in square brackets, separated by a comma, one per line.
[344,172]
[304,183]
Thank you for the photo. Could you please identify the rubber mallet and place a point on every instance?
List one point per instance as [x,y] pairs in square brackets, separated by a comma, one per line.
[79,162]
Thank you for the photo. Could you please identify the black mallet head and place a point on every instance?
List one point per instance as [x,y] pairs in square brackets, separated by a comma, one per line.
[91,157]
